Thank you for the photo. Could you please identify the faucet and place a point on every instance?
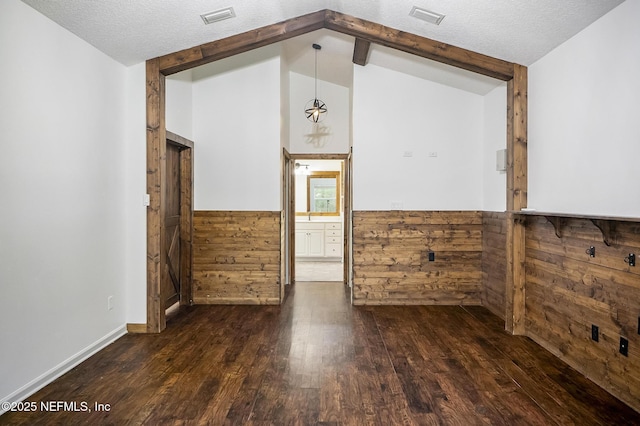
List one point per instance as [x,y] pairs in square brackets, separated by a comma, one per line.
[309,215]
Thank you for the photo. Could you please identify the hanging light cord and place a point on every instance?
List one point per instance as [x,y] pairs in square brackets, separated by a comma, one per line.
[316,72]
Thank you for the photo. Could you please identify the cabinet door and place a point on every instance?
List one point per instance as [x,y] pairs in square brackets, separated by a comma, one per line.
[333,250]
[302,243]
[316,243]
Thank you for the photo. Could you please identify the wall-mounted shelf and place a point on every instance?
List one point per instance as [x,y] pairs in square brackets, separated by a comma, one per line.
[606,224]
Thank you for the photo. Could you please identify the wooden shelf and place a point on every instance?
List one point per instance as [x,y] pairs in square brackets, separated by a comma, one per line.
[576,216]
[606,224]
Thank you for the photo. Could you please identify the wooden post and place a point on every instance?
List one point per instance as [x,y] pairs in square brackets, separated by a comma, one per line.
[156,153]
[516,199]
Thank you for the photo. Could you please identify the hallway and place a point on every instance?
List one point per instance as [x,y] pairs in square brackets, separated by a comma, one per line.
[318,360]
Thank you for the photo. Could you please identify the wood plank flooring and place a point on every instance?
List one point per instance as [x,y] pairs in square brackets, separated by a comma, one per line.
[316,360]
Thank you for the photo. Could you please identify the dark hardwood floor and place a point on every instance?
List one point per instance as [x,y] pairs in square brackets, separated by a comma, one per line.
[318,360]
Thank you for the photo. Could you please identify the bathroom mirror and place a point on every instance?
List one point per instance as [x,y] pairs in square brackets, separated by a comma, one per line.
[323,194]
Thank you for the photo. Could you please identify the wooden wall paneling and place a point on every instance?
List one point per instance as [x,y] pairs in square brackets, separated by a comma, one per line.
[156,147]
[568,291]
[236,257]
[494,261]
[391,251]
[516,198]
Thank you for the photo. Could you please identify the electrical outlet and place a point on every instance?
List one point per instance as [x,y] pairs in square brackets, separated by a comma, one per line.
[631,259]
[110,303]
[591,251]
[432,256]
[595,333]
[624,346]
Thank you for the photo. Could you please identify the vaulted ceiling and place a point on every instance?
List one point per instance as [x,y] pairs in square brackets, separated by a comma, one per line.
[520,31]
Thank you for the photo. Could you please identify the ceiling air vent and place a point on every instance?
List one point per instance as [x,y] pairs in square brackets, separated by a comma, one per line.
[218,15]
[426,15]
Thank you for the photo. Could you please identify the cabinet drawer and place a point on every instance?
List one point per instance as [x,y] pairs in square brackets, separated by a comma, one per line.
[333,250]
[333,240]
[332,233]
[301,226]
[334,225]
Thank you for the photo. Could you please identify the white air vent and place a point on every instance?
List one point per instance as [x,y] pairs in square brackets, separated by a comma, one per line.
[218,15]
[426,15]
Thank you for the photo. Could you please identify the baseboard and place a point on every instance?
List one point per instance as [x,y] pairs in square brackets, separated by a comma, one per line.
[136,328]
[57,371]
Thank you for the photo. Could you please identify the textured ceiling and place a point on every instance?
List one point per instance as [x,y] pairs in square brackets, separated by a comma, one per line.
[521,31]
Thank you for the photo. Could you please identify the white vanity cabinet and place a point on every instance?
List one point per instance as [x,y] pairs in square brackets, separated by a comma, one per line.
[318,239]
[309,239]
[333,239]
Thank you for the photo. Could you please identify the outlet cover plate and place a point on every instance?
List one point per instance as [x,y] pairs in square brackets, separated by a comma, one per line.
[624,346]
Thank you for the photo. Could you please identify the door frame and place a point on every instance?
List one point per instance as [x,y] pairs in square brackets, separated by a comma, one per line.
[287,243]
[156,316]
[345,179]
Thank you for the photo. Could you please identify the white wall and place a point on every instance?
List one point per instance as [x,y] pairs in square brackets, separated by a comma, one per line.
[332,134]
[136,188]
[178,104]
[394,113]
[584,142]
[63,220]
[285,90]
[236,124]
[494,183]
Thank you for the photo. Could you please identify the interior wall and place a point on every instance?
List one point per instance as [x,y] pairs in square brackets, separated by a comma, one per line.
[584,143]
[179,104]
[136,188]
[417,144]
[332,134]
[494,183]
[62,226]
[285,121]
[236,128]
[392,263]
[568,291]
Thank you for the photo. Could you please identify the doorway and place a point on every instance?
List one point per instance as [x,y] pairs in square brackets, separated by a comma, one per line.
[176,233]
[319,211]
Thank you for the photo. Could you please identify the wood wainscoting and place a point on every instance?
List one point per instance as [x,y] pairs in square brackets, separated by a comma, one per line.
[236,257]
[494,261]
[568,291]
[391,257]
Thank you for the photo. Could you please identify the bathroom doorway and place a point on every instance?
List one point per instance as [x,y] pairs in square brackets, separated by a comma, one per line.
[320,230]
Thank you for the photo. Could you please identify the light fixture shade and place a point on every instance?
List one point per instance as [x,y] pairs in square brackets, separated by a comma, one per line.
[315,110]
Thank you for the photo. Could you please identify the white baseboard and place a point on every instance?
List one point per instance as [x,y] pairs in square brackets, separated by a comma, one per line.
[57,371]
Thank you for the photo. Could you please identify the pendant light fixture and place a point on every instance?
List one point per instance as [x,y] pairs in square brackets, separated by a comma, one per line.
[315,109]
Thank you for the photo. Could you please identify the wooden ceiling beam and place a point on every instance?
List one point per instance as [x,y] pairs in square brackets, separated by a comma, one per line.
[420,46]
[361,51]
[365,32]
[240,43]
